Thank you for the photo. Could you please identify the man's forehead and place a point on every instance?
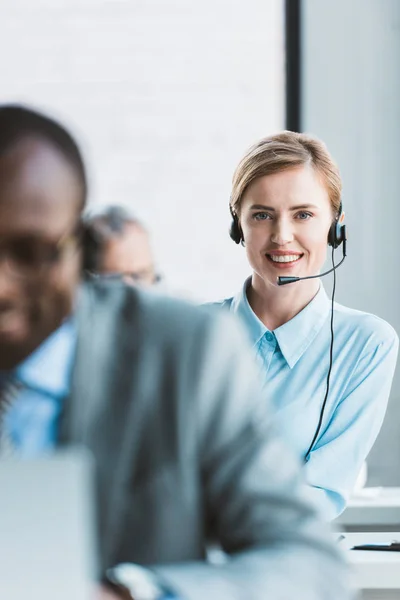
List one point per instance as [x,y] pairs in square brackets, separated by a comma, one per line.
[34,160]
[137,238]
[129,251]
[36,183]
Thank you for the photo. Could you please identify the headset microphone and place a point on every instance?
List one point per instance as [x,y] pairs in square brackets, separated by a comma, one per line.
[286,280]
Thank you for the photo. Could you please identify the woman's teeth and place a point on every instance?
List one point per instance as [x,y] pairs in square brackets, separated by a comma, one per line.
[285,259]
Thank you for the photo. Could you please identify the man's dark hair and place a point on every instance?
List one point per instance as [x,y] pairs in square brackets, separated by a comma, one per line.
[100,227]
[18,123]
[112,219]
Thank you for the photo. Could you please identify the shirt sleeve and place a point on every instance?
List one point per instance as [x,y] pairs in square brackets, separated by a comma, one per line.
[336,460]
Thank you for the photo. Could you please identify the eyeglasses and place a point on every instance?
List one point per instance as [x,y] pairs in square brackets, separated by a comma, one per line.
[30,256]
[139,278]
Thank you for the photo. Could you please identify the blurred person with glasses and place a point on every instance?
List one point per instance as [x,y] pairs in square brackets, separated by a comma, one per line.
[165,396]
[117,246]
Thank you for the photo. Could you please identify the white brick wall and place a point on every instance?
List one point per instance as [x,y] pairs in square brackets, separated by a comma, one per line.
[164,95]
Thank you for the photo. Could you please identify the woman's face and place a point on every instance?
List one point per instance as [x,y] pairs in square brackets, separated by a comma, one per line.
[285,219]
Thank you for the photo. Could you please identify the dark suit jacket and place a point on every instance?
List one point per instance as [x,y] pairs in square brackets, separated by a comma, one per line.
[166,397]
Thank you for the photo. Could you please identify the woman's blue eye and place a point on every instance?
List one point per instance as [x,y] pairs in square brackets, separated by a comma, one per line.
[261,216]
[303,216]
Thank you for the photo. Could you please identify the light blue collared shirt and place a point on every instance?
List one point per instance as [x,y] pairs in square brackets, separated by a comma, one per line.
[32,422]
[295,360]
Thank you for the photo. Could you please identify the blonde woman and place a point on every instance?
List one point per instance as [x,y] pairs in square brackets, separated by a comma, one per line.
[328,368]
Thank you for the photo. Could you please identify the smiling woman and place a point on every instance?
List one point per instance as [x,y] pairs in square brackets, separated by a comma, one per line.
[330,393]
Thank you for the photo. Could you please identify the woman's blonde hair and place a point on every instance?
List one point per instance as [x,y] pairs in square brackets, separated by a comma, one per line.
[286,150]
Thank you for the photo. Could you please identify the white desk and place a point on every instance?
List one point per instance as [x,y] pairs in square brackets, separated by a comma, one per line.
[372,509]
[377,574]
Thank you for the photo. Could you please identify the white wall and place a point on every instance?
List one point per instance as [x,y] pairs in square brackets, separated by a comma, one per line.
[166,95]
[351,99]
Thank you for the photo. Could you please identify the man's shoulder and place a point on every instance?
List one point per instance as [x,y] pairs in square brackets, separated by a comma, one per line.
[226,303]
[175,318]
[151,316]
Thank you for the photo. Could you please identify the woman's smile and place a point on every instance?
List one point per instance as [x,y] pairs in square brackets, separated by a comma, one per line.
[284,259]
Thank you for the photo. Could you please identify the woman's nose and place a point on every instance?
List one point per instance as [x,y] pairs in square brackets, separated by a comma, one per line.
[282,232]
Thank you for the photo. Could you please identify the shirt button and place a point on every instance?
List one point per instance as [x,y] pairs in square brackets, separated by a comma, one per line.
[269,336]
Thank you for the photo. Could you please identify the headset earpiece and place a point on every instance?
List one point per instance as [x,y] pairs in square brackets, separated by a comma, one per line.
[337,231]
[235,231]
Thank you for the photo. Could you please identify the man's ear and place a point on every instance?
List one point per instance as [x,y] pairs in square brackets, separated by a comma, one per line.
[90,248]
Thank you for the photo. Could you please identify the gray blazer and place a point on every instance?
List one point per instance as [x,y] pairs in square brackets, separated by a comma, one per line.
[166,397]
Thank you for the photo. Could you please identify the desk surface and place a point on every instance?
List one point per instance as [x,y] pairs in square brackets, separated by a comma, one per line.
[372,507]
[379,496]
[373,570]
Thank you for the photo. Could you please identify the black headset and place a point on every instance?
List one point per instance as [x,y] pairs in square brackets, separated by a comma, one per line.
[235,231]
[336,235]
[337,231]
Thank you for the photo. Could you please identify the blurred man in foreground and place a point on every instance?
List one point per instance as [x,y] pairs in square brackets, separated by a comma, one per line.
[117,245]
[164,394]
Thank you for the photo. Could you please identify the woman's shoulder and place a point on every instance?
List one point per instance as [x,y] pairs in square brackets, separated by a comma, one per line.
[225,303]
[365,324]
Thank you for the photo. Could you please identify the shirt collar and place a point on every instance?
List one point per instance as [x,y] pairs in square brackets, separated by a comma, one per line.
[295,336]
[48,368]
[240,305]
